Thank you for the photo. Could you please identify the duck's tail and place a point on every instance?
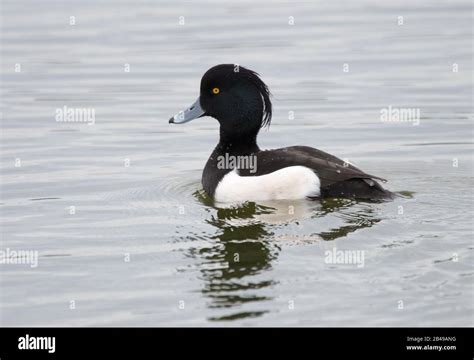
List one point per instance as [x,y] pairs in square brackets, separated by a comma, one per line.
[359,189]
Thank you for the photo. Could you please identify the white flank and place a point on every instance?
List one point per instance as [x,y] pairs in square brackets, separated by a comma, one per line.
[294,182]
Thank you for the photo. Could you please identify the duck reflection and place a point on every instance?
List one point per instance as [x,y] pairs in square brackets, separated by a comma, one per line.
[233,269]
[236,268]
[354,220]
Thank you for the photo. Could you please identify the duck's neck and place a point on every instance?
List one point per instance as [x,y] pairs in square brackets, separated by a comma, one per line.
[231,144]
[239,144]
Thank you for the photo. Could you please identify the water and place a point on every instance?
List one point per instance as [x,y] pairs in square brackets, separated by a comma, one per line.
[145,247]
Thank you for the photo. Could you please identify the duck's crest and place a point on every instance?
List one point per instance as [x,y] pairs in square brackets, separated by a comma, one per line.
[264,92]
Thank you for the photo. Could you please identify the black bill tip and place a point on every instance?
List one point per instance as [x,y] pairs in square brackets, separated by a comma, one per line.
[171,120]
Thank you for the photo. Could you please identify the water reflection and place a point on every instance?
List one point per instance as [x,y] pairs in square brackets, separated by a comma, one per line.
[242,250]
[236,268]
[354,220]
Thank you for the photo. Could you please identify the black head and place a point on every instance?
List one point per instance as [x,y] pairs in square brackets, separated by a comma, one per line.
[233,95]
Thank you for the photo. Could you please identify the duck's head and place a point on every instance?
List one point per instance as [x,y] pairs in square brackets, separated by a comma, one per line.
[233,95]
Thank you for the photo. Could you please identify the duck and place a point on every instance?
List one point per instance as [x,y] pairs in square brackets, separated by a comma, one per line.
[238,170]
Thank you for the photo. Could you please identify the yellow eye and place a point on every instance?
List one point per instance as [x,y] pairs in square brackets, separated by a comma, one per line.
[215,91]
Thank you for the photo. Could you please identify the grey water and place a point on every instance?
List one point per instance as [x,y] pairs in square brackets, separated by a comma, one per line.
[114,208]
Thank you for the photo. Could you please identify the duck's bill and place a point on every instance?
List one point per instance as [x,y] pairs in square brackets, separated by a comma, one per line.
[193,112]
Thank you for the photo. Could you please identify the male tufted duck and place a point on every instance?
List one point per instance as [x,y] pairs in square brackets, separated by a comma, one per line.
[240,101]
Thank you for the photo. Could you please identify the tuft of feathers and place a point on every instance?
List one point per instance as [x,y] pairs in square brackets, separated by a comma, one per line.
[254,78]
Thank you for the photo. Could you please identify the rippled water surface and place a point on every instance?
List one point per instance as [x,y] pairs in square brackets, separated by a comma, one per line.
[123,230]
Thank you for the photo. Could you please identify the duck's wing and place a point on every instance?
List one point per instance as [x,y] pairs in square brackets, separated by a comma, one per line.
[337,177]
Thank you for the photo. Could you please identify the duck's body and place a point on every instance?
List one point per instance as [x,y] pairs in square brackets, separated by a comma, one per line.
[240,102]
[294,172]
